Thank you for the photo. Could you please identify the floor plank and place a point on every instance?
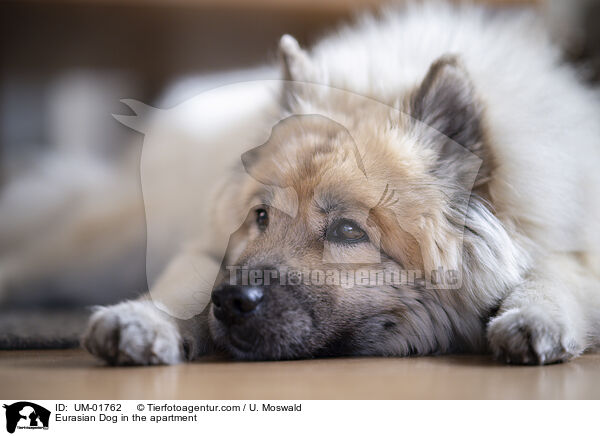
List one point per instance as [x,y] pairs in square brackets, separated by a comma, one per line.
[73,374]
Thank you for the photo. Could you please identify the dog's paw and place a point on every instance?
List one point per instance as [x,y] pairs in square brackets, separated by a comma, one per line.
[529,337]
[133,333]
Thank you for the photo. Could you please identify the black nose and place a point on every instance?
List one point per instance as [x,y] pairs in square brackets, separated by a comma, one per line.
[233,302]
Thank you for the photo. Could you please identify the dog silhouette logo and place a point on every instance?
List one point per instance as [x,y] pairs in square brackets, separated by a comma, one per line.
[26,415]
[198,141]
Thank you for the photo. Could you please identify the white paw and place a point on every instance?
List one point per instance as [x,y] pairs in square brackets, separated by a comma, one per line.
[133,333]
[528,336]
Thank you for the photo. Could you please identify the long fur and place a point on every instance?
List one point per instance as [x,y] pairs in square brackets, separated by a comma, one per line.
[522,227]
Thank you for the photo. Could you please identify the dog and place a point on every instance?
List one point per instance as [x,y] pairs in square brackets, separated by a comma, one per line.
[428,138]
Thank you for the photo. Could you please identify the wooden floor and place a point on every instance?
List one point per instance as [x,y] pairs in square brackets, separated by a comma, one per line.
[73,374]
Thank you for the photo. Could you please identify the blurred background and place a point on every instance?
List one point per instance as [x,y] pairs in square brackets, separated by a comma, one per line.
[64,66]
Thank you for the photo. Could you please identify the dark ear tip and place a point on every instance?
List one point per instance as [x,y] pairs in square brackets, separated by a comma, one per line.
[449,59]
[447,71]
[447,63]
[447,101]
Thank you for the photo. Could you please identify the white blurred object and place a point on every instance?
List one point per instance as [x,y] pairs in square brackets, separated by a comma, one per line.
[72,224]
[80,104]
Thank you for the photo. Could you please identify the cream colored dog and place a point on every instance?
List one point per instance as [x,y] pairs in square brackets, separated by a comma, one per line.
[370,139]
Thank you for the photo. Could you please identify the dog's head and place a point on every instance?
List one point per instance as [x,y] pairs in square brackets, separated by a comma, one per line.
[354,207]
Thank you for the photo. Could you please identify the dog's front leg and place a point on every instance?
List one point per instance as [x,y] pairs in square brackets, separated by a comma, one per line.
[140,333]
[546,318]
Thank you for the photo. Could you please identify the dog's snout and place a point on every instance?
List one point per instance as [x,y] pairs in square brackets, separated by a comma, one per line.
[232,302]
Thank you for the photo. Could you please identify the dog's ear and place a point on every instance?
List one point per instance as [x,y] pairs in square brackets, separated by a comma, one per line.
[446,101]
[447,104]
[448,117]
[297,65]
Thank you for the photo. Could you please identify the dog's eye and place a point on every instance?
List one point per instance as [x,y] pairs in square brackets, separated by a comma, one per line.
[262,219]
[346,231]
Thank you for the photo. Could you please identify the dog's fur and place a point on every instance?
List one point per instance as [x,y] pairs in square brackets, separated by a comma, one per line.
[522,228]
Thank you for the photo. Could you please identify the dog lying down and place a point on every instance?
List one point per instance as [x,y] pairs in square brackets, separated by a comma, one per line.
[430,186]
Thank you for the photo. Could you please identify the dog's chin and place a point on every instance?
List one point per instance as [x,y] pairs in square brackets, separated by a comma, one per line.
[253,341]
[242,340]
[244,345]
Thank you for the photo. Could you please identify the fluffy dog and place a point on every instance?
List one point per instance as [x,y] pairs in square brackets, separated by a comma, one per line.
[434,138]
